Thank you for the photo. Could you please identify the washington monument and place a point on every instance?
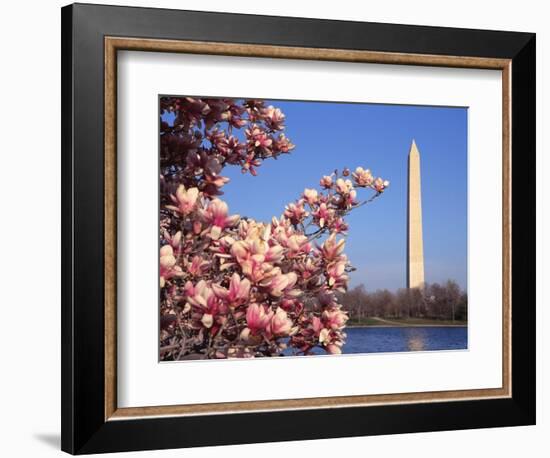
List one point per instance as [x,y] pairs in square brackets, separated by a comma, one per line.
[415,246]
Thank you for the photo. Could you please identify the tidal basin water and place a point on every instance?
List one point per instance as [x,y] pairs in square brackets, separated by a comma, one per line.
[417,338]
[374,339]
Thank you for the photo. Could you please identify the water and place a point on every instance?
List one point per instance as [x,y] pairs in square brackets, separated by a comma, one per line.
[405,338]
[421,338]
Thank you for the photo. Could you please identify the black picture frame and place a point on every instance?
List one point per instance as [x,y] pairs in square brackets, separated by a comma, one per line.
[84,428]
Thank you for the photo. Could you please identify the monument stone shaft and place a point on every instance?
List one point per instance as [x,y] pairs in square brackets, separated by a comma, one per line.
[415,246]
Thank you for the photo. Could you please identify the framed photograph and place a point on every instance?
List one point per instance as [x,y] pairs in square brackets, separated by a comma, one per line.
[281,228]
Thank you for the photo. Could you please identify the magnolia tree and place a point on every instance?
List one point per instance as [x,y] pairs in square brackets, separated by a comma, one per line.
[236,287]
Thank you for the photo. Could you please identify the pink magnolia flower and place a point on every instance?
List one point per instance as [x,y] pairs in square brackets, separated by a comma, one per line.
[216,181]
[339,226]
[168,267]
[332,249]
[250,163]
[310,196]
[275,253]
[295,212]
[280,324]
[216,216]
[257,241]
[186,200]
[282,144]
[334,349]
[191,110]
[258,140]
[326,298]
[231,148]
[362,177]
[308,269]
[335,319]
[380,185]
[273,118]
[281,229]
[219,111]
[235,116]
[297,245]
[350,199]
[174,240]
[257,318]
[197,265]
[324,336]
[343,186]
[291,305]
[250,254]
[238,291]
[218,138]
[336,275]
[326,182]
[316,325]
[202,297]
[280,283]
[323,215]
[330,341]
[189,288]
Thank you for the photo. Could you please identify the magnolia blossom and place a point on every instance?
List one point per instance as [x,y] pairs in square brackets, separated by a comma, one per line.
[362,177]
[330,341]
[257,318]
[280,324]
[326,182]
[238,291]
[339,225]
[256,257]
[282,144]
[250,163]
[273,118]
[295,212]
[207,304]
[185,200]
[307,269]
[337,277]
[380,184]
[343,186]
[349,199]
[168,267]
[201,295]
[310,196]
[332,249]
[280,283]
[324,336]
[323,215]
[197,265]
[214,181]
[335,319]
[297,245]
[216,215]
[174,241]
[258,140]
[334,348]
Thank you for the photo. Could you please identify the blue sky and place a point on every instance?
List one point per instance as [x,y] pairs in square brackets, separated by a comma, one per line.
[331,135]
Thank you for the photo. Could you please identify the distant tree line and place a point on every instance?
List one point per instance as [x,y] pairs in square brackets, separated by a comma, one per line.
[435,301]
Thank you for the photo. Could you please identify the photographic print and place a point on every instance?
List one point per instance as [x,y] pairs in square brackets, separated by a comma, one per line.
[333,204]
[304,228]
